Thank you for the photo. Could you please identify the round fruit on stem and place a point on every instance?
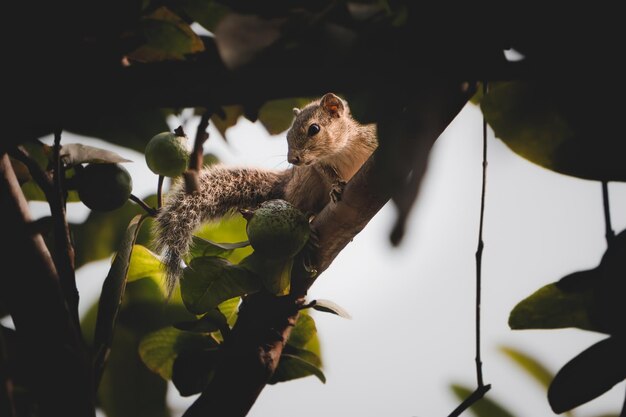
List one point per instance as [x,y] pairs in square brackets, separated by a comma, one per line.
[167,154]
[277,230]
[103,187]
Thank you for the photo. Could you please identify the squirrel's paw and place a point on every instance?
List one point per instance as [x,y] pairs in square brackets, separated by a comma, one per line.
[336,190]
[310,248]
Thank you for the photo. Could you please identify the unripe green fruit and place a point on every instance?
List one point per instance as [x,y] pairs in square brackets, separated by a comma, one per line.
[103,187]
[277,230]
[167,154]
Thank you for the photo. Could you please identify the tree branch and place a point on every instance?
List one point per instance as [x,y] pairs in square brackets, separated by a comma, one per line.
[253,352]
[195,160]
[64,250]
[58,365]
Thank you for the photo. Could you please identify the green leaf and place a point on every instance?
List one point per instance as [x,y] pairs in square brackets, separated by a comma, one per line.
[206,13]
[76,153]
[112,293]
[484,407]
[203,247]
[328,306]
[159,349]
[530,365]
[209,281]
[303,331]
[193,370]
[275,274]
[555,306]
[229,309]
[144,264]
[277,115]
[233,113]
[167,37]
[567,130]
[588,375]
[228,229]
[128,388]
[297,363]
[101,233]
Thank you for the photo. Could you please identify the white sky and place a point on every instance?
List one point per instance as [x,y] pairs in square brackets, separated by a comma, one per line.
[412,332]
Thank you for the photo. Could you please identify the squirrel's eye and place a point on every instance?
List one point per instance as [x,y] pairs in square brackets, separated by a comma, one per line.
[314,129]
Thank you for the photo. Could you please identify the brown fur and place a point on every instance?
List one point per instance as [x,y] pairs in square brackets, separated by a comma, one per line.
[334,154]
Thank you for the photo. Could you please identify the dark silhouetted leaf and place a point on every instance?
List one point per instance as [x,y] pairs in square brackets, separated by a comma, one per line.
[233,113]
[212,321]
[558,127]
[159,349]
[208,281]
[277,115]
[530,365]
[588,375]
[328,306]
[485,407]
[128,388]
[193,370]
[206,13]
[167,37]
[112,293]
[553,307]
[240,38]
[128,125]
[77,153]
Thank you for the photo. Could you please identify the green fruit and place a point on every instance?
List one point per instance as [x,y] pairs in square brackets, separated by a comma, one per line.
[277,230]
[167,154]
[103,187]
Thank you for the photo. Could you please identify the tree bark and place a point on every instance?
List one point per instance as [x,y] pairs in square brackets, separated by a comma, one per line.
[58,366]
[253,352]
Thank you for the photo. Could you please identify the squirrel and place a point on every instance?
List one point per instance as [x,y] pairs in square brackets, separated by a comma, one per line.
[326,147]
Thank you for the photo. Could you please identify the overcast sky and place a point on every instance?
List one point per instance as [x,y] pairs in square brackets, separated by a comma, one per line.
[411,334]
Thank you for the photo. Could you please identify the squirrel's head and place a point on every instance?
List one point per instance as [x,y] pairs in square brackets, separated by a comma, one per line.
[319,130]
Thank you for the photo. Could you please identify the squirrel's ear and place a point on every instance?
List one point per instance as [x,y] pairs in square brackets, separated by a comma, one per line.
[332,104]
[296,111]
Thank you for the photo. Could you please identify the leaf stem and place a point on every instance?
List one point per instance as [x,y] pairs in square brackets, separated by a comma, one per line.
[151,212]
[609,234]
[41,177]
[64,254]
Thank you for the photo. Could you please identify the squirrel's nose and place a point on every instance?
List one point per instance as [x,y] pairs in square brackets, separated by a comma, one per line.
[293,159]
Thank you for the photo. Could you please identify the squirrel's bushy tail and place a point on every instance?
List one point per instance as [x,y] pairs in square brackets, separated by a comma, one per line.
[222,190]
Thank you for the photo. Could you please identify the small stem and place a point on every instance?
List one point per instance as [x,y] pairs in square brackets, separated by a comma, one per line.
[471,400]
[160,192]
[479,253]
[64,253]
[609,234]
[152,212]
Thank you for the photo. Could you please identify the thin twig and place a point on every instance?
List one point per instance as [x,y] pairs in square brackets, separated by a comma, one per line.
[160,192]
[610,234]
[479,253]
[469,401]
[64,253]
[151,212]
[195,161]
